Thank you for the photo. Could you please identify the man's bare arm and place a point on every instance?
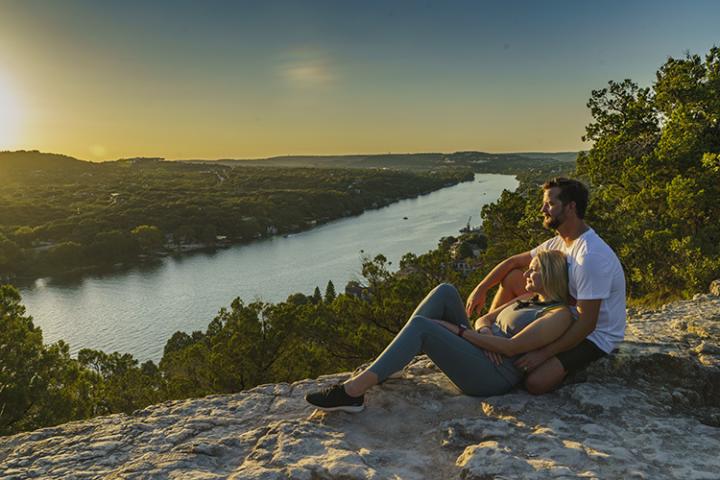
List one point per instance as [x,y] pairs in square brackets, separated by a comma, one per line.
[588,311]
[477,297]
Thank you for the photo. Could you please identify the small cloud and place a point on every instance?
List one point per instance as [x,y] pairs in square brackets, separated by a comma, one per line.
[309,74]
[307,69]
[98,151]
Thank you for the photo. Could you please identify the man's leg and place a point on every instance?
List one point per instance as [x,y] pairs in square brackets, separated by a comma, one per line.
[513,285]
[551,373]
[546,377]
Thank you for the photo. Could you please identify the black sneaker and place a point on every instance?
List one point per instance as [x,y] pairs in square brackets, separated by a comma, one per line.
[334,398]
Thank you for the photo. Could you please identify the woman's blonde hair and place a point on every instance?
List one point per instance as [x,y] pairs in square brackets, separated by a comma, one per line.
[554,275]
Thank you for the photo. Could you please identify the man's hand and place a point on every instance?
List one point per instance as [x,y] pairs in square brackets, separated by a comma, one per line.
[475,299]
[531,360]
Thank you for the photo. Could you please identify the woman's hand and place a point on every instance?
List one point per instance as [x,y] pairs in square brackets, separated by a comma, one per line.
[494,357]
[475,299]
[484,322]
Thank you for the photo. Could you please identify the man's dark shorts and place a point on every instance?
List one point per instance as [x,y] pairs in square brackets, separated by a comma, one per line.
[580,356]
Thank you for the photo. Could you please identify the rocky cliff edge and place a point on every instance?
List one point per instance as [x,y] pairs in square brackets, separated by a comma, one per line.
[651,411]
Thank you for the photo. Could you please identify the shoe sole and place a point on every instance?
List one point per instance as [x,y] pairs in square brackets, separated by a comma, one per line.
[346,408]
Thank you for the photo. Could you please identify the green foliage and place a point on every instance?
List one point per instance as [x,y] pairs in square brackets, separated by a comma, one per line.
[107,213]
[654,171]
[39,385]
[513,224]
[330,293]
[316,296]
[66,253]
[121,386]
[9,253]
[655,182]
[149,237]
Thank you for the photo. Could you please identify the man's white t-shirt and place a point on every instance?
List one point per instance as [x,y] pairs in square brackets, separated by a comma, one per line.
[595,273]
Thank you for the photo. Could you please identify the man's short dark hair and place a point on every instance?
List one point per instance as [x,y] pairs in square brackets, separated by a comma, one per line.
[570,191]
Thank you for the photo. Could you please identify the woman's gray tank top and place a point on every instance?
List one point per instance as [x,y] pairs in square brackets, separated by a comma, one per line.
[513,320]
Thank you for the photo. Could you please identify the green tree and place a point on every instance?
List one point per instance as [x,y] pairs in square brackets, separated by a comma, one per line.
[186,366]
[209,234]
[124,385]
[9,255]
[39,385]
[149,237]
[330,294]
[113,245]
[65,254]
[24,236]
[651,166]
[316,296]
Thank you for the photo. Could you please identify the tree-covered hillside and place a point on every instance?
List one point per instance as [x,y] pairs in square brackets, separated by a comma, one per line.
[58,213]
[480,162]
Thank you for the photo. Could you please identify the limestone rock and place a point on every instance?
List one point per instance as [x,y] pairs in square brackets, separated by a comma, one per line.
[651,410]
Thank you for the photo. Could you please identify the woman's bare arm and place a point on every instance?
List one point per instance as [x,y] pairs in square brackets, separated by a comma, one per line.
[539,333]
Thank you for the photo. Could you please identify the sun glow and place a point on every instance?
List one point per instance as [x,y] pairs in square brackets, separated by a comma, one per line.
[9,115]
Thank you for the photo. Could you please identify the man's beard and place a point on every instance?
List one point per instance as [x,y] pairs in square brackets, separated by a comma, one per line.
[553,222]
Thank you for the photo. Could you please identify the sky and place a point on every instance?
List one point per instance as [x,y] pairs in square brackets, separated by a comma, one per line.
[101,80]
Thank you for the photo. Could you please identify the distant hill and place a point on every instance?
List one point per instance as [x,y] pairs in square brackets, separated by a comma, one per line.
[479,161]
[29,160]
[562,156]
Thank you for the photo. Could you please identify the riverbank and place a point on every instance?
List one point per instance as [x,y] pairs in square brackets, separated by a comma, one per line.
[64,216]
[137,309]
[174,250]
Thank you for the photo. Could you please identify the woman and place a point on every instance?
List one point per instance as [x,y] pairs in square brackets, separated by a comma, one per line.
[439,328]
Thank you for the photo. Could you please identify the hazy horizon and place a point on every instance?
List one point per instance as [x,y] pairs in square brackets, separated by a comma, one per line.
[362,154]
[250,80]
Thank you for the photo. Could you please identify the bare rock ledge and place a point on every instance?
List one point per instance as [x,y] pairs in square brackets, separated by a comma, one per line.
[651,411]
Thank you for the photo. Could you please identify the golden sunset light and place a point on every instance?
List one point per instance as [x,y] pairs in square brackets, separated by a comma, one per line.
[10,114]
[225,224]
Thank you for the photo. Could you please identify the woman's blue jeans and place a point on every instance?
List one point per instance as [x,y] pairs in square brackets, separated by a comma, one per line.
[466,365]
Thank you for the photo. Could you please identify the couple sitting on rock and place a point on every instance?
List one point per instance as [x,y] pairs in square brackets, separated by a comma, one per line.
[558,308]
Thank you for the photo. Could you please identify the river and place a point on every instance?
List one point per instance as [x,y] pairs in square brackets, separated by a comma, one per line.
[136,311]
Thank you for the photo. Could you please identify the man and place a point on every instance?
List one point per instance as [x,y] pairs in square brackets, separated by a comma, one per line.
[597,283]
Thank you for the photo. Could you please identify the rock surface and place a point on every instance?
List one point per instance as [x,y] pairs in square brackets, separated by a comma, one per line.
[651,411]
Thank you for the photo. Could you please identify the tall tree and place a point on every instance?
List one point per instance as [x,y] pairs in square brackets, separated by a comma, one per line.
[330,294]
[316,296]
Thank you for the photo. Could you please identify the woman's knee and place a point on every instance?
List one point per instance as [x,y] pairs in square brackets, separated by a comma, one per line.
[418,321]
[446,289]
